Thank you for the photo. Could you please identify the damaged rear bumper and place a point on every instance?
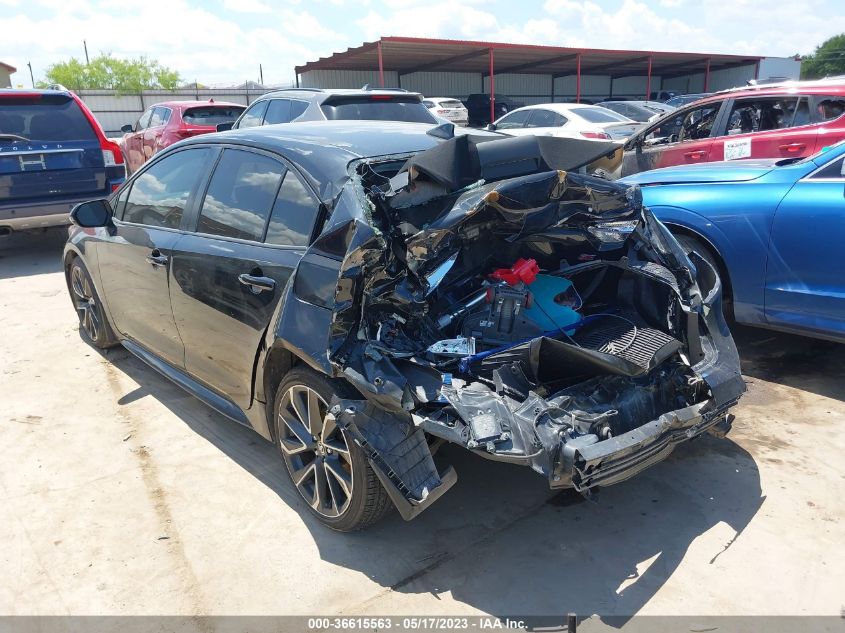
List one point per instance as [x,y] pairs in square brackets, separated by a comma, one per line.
[584,465]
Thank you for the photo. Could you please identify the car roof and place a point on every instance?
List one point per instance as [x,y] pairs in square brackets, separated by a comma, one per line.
[820,86]
[193,104]
[26,92]
[321,94]
[355,139]
[559,107]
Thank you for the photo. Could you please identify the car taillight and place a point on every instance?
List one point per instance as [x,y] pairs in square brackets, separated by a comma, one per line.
[601,135]
[112,156]
[442,111]
[381,97]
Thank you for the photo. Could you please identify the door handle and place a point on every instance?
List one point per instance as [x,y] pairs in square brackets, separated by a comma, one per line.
[257,284]
[792,148]
[696,154]
[156,258]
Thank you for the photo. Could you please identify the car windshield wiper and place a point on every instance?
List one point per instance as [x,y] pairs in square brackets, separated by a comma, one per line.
[12,137]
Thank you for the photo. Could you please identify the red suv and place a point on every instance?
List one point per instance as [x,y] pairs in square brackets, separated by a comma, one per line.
[166,123]
[788,120]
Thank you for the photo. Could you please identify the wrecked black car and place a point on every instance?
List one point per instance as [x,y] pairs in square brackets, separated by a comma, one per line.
[361,293]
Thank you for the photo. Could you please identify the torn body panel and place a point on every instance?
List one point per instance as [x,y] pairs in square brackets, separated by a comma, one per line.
[487,295]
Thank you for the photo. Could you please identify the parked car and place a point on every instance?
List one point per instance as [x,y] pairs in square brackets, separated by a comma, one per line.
[53,154]
[682,100]
[773,228]
[166,123]
[789,121]
[635,110]
[315,104]
[662,95]
[450,109]
[478,108]
[572,120]
[543,318]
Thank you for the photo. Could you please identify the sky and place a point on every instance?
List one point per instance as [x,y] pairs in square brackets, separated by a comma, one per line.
[223,41]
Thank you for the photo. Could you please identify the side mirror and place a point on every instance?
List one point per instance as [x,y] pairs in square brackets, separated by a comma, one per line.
[127,129]
[225,126]
[92,214]
[491,127]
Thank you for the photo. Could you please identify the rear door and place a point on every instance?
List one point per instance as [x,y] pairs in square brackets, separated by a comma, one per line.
[278,111]
[135,259]
[48,150]
[682,138]
[251,230]
[766,127]
[805,284]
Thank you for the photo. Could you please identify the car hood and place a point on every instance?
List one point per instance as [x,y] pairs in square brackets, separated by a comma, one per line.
[726,171]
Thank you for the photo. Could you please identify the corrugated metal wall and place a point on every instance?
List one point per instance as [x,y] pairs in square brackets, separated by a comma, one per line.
[113,111]
[347,79]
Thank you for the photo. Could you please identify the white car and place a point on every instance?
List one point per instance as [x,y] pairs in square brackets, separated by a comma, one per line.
[572,120]
[446,108]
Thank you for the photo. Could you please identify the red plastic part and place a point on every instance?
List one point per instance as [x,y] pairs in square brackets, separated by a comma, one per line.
[524,270]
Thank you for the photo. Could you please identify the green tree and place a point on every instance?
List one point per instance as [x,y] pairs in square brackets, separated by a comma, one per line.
[828,59]
[112,73]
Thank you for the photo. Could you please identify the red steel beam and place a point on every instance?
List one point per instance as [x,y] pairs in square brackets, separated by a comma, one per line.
[380,66]
[492,89]
[577,79]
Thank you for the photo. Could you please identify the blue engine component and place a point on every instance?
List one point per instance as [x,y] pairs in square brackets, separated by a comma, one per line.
[554,303]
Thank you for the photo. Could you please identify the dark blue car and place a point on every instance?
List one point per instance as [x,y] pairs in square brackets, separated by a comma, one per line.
[775,229]
[53,155]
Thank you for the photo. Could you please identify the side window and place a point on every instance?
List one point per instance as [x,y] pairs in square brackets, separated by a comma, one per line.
[297,108]
[513,120]
[831,170]
[159,117]
[293,214]
[144,121]
[253,116]
[160,193]
[278,111]
[830,108]
[689,125]
[428,104]
[761,115]
[545,118]
[240,195]
[119,203]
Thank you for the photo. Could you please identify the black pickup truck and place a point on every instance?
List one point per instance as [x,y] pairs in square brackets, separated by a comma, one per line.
[478,106]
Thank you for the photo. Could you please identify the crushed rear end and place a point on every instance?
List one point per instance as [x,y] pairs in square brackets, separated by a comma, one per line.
[497,299]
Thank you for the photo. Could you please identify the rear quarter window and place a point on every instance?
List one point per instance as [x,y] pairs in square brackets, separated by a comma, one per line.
[44,118]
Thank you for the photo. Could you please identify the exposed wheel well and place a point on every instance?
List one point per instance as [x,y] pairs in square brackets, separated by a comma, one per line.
[727,290]
[279,362]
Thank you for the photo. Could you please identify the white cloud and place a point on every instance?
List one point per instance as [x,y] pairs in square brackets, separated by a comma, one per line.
[246,6]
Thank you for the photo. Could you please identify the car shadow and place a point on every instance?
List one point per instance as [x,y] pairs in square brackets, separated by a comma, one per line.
[500,541]
[36,253]
[801,362]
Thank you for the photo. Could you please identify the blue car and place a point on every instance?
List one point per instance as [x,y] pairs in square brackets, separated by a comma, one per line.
[774,229]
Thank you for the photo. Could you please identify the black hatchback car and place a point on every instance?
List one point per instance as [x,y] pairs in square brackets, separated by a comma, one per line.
[360,293]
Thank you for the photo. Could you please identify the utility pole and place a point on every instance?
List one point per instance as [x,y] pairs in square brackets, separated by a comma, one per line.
[85,45]
[31,76]
[260,74]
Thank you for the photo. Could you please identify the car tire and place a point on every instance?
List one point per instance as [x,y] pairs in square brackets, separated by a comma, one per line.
[689,244]
[94,326]
[329,471]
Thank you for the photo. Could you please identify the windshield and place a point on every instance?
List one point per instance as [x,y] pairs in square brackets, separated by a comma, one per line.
[212,115]
[43,118]
[599,115]
[377,108]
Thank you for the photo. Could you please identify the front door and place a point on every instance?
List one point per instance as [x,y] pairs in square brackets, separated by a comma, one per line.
[805,277]
[252,229]
[683,139]
[135,262]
